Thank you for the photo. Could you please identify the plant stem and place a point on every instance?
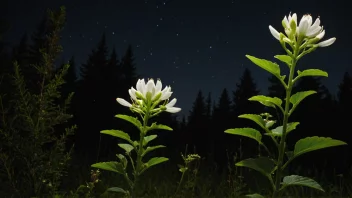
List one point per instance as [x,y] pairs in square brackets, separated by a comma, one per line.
[139,164]
[181,180]
[284,123]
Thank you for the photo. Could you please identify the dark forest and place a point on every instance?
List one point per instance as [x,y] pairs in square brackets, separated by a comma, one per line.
[53,110]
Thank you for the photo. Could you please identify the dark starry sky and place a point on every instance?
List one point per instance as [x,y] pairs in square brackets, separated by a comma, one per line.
[191,44]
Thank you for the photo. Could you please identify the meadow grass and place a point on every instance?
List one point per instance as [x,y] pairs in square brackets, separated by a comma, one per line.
[203,180]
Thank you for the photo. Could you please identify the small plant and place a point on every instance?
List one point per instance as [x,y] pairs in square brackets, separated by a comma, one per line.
[188,160]
[87,190]
[147,101]
[297,42]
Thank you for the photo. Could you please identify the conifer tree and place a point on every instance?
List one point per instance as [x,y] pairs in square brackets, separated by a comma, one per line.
[33,155]
[89,103]
[222,119]
[196,126]
[245,89]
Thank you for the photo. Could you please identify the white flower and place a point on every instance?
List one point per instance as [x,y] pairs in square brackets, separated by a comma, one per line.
[306,29]
[286,22]
[156,95]
[123,102]
[154,89]
[327,42]
[170,106]
[274,32]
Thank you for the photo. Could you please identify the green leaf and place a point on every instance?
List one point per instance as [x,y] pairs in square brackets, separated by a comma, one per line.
[151,148]
[119,134]
[117,190]
[156,160]
[130,119]
[110,166]
[309,144]
[127,147]
[312,72]
[278,130]
[263,165]
[122,159]
[296,180]
[269,123]
[149,138]
[269,66]
[299,96]
[256,195]
[183,169]
[284,58]
[156,126]
[255,118]
[267,101]
[246,132]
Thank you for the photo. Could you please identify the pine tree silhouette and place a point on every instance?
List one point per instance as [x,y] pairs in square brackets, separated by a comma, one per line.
[246,88]
[196,120]
[90,102]
[222,120]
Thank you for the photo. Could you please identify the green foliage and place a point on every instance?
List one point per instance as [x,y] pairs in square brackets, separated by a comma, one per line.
[247,132]
[264,165]
[110,166]
[33,132]
[309,144]
[130,119]
[285,59]
[274,169]
[269,66]
[300,181]
[268,101]
[140,148]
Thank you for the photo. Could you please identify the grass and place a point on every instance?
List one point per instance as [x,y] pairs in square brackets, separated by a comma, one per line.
[203,180]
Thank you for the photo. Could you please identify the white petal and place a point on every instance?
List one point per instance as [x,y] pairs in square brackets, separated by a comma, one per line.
[150,85]
[132,93]
[123,102]
[316,23]
[158,86]
[275,33]
[141,86]
[294,17]
[138,83]
[327,42]
[320,35]
[171,103]
[286,21]
[166,94]
[313,32]
[310,20]
[173,109]
[303,26]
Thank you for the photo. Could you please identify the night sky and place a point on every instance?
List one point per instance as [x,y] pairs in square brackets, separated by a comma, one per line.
[191,44]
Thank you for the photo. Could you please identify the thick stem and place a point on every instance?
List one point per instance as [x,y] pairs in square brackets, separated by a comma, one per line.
[139,164]
[284,123]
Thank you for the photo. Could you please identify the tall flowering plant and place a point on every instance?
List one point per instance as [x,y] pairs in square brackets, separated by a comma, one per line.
[148,100]
[297,40]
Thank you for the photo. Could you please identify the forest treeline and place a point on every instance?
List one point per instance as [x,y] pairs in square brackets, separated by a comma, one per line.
[52,115]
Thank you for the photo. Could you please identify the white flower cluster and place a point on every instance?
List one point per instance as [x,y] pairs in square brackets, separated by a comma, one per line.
[150,93]
[306,30]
